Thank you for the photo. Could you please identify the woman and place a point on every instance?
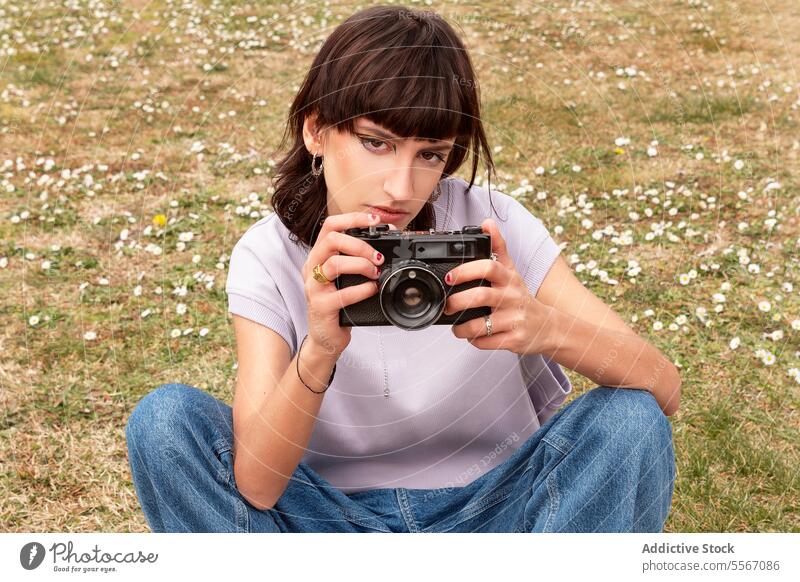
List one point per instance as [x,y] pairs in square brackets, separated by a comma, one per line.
[384,429]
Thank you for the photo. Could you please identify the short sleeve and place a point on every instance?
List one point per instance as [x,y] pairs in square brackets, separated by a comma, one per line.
[550,386]
[537,251]
[253,292]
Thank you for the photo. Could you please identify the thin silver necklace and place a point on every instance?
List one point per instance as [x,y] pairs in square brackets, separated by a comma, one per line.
[385,367]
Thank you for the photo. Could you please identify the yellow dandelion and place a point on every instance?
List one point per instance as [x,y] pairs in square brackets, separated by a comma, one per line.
[619,151]
[160,220]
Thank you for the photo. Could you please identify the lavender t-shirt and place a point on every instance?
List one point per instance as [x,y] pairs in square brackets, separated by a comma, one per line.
[417,409]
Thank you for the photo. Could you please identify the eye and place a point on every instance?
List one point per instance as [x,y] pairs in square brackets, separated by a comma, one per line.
[369,143]
[437,158]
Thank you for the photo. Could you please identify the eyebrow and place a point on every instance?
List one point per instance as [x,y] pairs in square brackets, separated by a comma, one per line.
[387,135]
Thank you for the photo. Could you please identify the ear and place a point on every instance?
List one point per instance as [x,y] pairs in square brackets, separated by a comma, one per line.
[311,134]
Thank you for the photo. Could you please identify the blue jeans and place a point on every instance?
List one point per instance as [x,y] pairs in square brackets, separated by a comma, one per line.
[603,463]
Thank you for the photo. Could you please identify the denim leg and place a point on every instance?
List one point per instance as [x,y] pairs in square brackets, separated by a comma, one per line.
[180,451]
[618,471]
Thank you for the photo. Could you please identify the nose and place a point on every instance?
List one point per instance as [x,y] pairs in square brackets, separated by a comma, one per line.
[399,182]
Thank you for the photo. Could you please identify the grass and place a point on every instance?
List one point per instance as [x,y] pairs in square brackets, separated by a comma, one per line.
[701,110]
[559,90]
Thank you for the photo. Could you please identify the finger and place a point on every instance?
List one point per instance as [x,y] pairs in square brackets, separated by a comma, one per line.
[345,264]
[339,223]
[499,247]
[496,341]
[349,295]
[338,242]
[476,297]
[476,327]
[492,271]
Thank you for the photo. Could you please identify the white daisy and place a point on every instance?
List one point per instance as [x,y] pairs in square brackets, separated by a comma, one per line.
[775,335]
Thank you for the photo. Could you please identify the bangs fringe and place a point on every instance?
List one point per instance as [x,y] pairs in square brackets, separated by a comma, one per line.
[411,94]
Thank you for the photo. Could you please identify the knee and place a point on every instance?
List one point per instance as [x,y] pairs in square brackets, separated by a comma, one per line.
[632,414]
[160,417]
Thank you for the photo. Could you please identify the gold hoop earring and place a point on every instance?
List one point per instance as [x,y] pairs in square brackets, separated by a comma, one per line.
[316,171]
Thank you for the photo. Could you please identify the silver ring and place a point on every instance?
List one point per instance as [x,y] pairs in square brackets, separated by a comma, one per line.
[493,256]
[488,320]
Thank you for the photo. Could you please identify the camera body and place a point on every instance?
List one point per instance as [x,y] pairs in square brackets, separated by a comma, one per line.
[411,289]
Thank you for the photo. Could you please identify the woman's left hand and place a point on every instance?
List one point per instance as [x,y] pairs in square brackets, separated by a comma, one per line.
[519,321]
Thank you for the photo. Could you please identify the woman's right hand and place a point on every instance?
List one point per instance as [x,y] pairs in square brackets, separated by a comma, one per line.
[338,253]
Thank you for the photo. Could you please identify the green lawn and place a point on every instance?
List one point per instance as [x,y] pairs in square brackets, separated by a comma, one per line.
[658,142]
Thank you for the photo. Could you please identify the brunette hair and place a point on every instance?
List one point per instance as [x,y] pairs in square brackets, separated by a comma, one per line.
[404,69]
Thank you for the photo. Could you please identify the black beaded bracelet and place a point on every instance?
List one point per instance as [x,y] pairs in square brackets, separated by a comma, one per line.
[297,361]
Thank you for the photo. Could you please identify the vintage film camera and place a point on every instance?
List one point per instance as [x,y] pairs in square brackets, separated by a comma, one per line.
[411,288]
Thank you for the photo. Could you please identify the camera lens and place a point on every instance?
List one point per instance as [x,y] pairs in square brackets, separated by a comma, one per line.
[412,296]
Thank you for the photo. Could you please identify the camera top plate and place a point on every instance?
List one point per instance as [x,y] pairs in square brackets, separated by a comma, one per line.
[382,230]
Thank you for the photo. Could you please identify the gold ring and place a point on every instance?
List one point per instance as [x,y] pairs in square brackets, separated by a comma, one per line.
[488,325]
[319,275]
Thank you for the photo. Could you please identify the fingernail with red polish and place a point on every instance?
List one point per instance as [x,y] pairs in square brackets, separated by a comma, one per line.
[448,278]
[379,256]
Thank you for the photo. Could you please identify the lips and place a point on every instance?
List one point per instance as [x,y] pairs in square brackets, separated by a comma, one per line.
[384,212]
